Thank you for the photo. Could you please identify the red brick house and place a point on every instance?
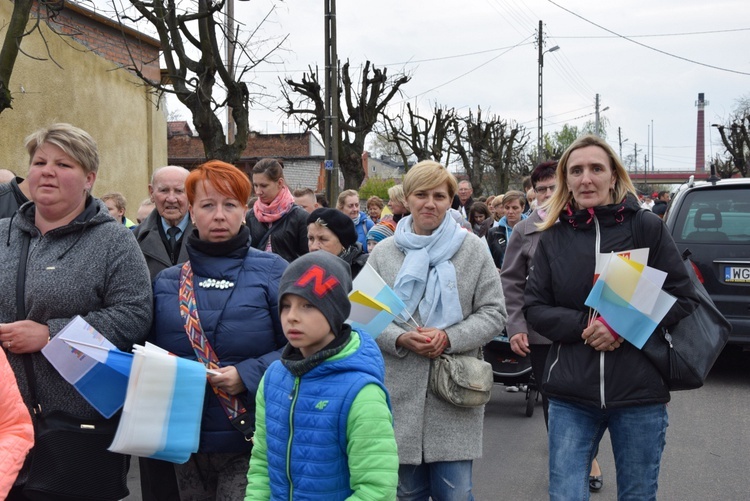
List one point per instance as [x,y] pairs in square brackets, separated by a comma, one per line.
[302,154]
[74,68]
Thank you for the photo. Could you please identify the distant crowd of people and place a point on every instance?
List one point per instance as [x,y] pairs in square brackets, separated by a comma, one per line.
[224,268]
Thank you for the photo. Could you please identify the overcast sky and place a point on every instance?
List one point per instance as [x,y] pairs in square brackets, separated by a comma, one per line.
[482,53]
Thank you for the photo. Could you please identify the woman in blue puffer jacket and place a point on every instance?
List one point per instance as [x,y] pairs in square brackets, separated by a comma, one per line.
[236,296]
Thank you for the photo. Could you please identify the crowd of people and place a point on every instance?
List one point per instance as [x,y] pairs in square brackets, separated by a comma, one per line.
[224,268]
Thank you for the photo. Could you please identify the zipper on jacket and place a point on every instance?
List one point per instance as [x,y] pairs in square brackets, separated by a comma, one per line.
[601,379]
[601,354]
[554,363]
[293,397]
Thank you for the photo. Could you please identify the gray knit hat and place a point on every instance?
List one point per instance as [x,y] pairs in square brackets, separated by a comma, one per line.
[323,279]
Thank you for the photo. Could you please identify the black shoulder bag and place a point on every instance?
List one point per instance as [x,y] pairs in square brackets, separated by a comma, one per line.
[70,460]
[685,352]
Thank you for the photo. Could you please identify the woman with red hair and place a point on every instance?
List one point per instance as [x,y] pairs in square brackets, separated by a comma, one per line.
[234,298]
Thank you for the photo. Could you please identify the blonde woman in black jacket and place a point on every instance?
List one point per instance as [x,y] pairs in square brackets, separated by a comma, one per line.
[595,380]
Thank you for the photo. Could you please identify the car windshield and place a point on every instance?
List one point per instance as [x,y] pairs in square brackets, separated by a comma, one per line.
[721,215]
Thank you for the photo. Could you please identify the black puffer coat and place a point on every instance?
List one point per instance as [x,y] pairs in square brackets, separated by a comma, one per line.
[561,278]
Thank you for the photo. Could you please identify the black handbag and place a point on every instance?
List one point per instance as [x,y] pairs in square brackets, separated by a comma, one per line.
[70,460]
[685,352]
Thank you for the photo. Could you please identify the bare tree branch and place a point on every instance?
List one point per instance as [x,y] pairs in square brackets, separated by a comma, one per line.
[197,72]
[363,108]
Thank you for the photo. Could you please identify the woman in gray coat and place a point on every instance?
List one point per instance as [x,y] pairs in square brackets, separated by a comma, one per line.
[80,262]
[437,441]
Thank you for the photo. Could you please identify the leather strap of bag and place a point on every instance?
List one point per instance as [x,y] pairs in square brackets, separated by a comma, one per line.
[636,228]
[240,418]
[276,224]
[21,315]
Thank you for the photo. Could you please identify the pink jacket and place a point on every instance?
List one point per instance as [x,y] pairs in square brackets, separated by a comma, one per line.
[16,431]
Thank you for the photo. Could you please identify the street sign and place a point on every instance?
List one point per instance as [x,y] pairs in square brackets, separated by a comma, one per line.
[329,165]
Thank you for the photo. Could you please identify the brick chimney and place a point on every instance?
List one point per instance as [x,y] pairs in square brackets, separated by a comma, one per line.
[700,141]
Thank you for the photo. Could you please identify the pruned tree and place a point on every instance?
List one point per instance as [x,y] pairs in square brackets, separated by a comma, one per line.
[737,142]
[381,146]
[425,137]
[504,150]
[469,142]
[724,167]
[560,140]
[16,30]
[191,37]
[735,138]
[358,113]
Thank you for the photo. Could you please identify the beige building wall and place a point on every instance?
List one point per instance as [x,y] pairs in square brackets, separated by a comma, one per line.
[89,92]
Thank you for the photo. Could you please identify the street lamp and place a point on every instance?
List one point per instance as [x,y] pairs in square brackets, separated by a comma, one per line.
[597,127]
[539,110]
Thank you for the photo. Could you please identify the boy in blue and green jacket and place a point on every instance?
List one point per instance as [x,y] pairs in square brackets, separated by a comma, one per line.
[324,428]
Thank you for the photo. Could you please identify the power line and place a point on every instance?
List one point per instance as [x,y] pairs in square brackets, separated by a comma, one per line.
[656,35]
[571,77]
[522,42]
[414,61]
[647,46]
[556,115]
[511,13]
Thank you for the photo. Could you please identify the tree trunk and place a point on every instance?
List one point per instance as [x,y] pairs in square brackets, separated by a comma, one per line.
[16,29]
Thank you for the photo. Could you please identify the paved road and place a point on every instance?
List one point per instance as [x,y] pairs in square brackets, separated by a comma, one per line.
[707,455]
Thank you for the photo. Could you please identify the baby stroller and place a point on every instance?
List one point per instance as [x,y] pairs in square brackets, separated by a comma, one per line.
[511,370]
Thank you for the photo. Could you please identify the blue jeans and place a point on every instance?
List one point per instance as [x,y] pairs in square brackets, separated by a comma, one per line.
[442,481]
[638,438]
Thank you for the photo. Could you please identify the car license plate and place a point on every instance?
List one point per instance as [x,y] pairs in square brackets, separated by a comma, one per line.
[737,274]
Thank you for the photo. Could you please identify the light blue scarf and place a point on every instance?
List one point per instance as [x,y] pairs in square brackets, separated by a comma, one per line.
[427,279]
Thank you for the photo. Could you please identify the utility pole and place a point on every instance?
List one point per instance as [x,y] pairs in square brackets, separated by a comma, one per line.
[540,109]
[619,137]
[652,147]
[596,109]
[540,46]
[229,23]
[331,139]
[648,147]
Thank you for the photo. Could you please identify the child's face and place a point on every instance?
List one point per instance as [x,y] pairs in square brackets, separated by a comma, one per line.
[305,326]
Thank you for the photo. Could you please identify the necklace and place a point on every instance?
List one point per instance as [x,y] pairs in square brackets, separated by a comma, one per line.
[212,283]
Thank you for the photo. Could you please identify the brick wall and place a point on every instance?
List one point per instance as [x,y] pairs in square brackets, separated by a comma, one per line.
[302,168]
[258,146]
[109,39]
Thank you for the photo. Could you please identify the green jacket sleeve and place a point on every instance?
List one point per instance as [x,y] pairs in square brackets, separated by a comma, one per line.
[371,447]
[258,483]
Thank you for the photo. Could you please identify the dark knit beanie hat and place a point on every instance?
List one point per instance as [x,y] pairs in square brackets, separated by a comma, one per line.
[325,281]
[336,221]
[380,231]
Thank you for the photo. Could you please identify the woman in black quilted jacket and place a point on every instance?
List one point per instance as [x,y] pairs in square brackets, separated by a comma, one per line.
[595,379]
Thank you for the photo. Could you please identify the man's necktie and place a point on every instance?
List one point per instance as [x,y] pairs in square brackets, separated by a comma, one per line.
[172,238]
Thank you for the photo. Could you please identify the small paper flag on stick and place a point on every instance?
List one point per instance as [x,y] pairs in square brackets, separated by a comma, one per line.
[369,314]
[101,379]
